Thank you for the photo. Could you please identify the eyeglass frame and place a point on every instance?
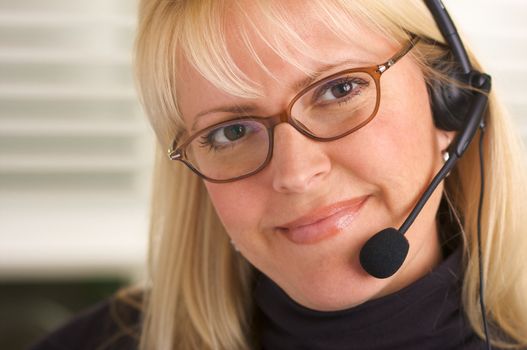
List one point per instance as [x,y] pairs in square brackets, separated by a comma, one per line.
[179,153]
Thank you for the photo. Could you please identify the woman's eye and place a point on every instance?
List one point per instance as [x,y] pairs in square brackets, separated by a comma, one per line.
[232,135]
[228,133]
[339,89]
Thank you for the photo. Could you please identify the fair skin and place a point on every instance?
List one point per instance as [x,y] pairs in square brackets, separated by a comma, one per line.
[382,169]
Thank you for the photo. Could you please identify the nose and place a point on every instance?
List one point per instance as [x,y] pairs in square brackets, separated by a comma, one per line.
[299,164]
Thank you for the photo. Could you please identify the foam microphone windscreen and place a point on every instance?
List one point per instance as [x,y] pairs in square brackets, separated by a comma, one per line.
[384,253]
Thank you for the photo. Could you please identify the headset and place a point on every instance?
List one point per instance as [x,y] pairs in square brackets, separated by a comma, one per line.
[453,108]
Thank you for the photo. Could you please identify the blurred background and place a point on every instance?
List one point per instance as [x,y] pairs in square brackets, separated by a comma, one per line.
[75,161]
[76,151]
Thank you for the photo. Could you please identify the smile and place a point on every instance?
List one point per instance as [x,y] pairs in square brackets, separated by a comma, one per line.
[323,223]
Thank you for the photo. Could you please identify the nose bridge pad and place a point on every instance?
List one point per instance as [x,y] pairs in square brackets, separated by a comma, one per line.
[284,117]
[304,128]
[299,126]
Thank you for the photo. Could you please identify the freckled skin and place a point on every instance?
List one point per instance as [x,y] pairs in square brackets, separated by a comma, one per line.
[391,160]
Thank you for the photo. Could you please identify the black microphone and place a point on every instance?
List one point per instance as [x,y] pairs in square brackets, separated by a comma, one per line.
[384,253]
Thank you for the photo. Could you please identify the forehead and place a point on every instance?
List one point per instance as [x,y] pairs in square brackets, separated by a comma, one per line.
[278,58]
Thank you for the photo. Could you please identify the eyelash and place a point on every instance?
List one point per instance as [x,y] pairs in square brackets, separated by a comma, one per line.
[326,87]
[206,142]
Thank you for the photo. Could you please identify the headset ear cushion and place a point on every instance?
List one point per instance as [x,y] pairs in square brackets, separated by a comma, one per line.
[449,102]
[449,105]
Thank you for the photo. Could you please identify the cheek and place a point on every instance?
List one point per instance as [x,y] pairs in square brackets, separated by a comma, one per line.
[238,205]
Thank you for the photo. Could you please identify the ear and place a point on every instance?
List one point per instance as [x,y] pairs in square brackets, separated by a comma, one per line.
[444,138]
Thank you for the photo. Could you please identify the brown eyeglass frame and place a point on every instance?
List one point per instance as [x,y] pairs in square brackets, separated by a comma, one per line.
[179,153]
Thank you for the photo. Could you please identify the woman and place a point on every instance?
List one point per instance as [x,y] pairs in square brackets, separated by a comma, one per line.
[259,245]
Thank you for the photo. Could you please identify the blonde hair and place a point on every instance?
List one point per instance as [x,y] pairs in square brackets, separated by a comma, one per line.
[199,290]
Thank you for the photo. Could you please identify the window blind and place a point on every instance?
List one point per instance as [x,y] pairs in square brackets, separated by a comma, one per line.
[75,152]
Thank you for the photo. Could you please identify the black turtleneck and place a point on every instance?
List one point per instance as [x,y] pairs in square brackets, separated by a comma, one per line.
[425,315]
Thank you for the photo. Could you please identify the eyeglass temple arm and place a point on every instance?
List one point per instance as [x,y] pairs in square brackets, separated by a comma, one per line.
[393,60]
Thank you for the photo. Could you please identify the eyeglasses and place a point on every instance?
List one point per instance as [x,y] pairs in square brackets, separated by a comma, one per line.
[326,110]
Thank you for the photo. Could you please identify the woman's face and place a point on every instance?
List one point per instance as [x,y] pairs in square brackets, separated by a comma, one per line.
[303,219]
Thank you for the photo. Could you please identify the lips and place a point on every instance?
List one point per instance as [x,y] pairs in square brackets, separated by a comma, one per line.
[324,222]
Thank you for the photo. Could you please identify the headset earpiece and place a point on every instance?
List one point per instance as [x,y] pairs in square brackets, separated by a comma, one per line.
[449,101]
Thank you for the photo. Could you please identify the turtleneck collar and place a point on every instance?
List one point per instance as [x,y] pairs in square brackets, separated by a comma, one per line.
[425,315]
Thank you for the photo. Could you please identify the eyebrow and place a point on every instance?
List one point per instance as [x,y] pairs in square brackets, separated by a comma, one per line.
[296,86]
[322,69]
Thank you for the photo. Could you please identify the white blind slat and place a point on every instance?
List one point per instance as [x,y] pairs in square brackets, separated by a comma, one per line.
[70,128]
